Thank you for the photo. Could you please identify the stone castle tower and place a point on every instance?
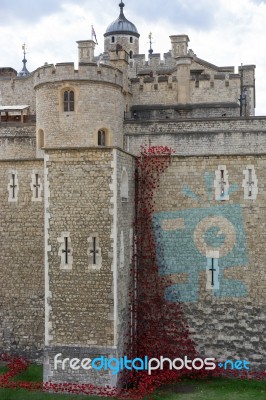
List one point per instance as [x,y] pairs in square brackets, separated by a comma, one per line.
[69,140]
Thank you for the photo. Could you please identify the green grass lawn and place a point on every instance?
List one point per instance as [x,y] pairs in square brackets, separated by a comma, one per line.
[212,389]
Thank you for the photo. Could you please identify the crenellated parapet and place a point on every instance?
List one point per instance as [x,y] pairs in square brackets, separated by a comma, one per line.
[86,72]
[182,78]
[77,107]
[155,62]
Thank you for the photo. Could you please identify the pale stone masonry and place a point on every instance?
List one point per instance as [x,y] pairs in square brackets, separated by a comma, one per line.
[22,260]
[67,194]
[86,307]
[232,319]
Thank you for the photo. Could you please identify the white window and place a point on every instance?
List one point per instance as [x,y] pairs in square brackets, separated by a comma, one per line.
[94,252]
[212,270]
[40,139]
[250,183]
[221,183]
[122,251]
[36,186]
[65,251]
[13,186]
[124,186]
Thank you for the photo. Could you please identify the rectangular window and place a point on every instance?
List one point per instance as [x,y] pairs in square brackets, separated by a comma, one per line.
[250,183]
[69,100]
[101,138]
[222,182]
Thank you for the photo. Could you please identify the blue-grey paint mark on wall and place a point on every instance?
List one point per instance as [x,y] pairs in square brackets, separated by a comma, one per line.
[179,254]
[189,193]
[233,188]
[213,238]
[209,178]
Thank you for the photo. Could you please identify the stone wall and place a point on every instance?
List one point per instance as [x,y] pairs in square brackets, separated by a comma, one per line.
[215,88]
[22,259]
[125,244]
[85,299]
[18,91]
[17,141]
[163,89]
[99,105]
[122,40]
[199,137]
[197,224]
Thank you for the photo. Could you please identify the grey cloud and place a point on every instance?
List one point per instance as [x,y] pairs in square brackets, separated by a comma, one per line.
[197,13]
[190,12]
[27,10]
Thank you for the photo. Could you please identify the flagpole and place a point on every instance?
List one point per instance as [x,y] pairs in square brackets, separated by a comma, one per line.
[93,35]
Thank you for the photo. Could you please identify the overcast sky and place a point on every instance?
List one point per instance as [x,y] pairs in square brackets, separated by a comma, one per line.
[223,32]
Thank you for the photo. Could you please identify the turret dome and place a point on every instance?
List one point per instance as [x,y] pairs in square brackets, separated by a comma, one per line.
[121,25]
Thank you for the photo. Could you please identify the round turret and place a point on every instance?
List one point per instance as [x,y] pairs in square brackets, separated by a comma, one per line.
[122,34]
[76,108]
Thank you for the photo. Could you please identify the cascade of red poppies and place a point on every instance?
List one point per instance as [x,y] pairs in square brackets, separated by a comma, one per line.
[158,327]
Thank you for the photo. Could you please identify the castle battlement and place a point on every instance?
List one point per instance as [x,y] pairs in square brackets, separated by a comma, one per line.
[154,62]
[86,71]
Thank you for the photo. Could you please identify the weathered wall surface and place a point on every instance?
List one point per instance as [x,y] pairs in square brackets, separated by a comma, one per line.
[17,141]
[215,89]
[99,104]
[22,259]
[79,295]
[79,202]
[125,240]
[163,89]
[86,304]
[123,41]
[199,137]
[18,91]
[196,224]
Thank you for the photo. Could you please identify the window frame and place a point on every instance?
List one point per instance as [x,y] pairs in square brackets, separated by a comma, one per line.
[101,135]
[69,102]
[124,186]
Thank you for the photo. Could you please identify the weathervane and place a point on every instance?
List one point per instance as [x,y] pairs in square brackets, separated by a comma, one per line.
[24,71]
[24,49]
